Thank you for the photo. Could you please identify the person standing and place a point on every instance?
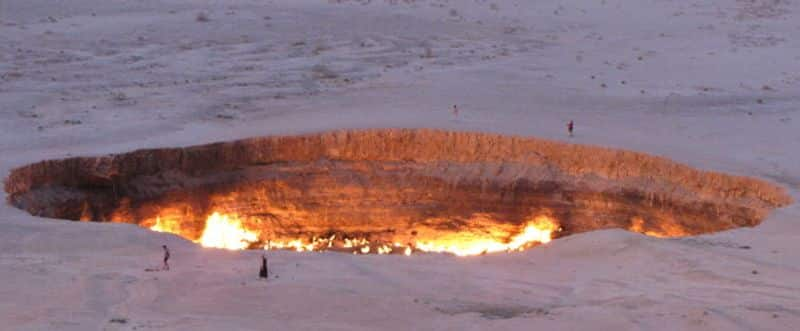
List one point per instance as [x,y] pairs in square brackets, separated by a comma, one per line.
[455,111]
[166,257]
[264,272]
[570,127]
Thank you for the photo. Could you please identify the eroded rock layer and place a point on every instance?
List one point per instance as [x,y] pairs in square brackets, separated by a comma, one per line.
[393,183]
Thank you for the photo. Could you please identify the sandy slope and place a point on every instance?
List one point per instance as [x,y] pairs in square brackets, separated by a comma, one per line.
[710,83]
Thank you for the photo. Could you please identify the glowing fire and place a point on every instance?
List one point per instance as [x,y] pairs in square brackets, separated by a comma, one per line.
[540,231]
[664,230]
[166,225]
[222,231]
[296,245]
[229,232]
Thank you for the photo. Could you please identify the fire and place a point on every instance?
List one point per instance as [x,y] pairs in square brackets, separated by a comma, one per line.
[222,231]
[296,245]
[166,225]
[229,232]
[465,243]
[384,249]
[168,220]
[538,231]
[663,230]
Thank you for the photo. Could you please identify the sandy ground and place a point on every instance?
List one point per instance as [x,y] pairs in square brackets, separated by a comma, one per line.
[714,84]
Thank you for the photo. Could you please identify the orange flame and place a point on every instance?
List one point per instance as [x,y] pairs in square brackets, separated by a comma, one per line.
[166,225]
[663,230]
[222,231]
[228,232]
[540,231]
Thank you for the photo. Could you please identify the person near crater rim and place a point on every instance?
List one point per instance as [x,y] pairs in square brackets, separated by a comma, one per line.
[264,272]
[166,257]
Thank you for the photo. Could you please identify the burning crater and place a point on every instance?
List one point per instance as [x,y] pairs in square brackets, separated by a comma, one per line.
[395,191]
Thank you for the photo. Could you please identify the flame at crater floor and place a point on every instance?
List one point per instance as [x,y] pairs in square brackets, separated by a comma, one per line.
[223,231]
[538,231]
[230,232]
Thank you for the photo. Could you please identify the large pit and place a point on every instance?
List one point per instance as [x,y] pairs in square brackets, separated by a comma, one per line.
[391,191]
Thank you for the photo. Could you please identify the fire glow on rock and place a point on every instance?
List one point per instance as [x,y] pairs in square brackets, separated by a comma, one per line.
[229,232]
[391,191]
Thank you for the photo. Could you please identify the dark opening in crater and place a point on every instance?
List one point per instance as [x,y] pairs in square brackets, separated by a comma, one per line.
[392,191]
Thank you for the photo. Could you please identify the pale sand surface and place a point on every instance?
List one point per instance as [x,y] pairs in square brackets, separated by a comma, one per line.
[714,84]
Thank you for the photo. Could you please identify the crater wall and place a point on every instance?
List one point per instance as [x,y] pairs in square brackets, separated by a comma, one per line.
[395,183]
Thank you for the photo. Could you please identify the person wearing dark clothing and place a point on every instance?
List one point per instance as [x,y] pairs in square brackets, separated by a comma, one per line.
[570,127]
[166,257]
[264,272]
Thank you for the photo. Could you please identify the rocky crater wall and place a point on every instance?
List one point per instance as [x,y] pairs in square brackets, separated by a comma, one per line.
[396,183]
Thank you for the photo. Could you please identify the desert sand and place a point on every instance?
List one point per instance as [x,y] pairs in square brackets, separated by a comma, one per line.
[711,84]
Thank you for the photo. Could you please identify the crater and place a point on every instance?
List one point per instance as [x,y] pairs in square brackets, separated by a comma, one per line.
[391,191]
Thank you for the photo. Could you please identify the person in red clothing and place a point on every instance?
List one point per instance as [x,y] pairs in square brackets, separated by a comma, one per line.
[570,127]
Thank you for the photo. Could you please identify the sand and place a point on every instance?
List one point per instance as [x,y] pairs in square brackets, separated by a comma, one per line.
[713,84]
